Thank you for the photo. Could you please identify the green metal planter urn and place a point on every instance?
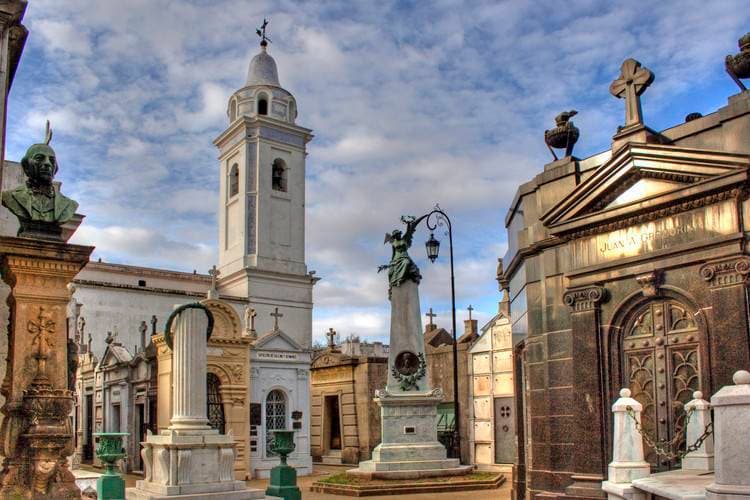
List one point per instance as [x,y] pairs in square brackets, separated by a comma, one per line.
[283,477]
[110,485]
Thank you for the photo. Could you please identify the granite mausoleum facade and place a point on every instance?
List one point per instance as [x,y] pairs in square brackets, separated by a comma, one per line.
[628,268]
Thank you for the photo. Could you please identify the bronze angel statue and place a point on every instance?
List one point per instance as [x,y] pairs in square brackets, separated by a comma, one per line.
[401,268]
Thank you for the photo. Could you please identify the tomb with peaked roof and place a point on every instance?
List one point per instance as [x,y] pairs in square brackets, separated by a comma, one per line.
[627,268]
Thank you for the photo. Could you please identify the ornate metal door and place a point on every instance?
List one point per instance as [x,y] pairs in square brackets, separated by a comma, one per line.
[505,439]
[215,406]
[275,417]
[662,363]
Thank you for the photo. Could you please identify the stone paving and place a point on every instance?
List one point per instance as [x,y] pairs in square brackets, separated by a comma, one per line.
[503,493]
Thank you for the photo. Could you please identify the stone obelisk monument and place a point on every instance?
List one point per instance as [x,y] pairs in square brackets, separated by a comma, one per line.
[189,458]
[408,405]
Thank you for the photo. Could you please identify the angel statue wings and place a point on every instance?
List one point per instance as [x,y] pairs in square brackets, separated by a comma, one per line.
[401,268]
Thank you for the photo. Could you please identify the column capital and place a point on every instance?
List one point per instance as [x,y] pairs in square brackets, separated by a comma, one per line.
[726,272]
[585,298]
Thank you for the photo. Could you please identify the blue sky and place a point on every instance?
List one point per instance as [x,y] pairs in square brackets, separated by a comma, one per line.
[411,103]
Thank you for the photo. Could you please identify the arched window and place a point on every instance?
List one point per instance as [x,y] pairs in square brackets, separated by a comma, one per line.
[234,180]
[232,110]
[279,175]
[275,416]
[215,407]
[262,104]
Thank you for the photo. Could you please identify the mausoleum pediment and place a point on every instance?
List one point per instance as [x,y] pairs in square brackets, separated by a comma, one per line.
[277,340]
[643,177]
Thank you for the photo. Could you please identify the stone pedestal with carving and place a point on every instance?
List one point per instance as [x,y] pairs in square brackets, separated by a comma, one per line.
[409,447]
[36,433]
[189,459]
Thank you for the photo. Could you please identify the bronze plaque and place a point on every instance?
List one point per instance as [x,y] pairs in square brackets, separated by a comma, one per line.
[407,363]
[688,227]
[255,414]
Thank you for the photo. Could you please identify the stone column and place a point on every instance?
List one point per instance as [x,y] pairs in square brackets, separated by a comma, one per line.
[588,461]
[36,435]
[189,371]
[628,462]
[732,437]
[729,350]
[700,419]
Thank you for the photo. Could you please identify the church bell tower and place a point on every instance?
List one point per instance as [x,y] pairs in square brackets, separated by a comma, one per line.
[262,202]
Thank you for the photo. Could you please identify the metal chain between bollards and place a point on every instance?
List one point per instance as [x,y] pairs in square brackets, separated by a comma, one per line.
[664,448]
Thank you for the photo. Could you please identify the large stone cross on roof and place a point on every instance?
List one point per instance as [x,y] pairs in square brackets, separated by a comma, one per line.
[331,336]
[431,315]
[276,315]
[633,81]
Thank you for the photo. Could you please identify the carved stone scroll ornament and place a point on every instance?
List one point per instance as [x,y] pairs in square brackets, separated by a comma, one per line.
[727,272]
[147,454]
[650,283]
[585,299]
[226,463]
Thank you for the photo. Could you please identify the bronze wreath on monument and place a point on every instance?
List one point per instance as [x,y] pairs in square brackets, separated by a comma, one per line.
[195,305]
[408,369]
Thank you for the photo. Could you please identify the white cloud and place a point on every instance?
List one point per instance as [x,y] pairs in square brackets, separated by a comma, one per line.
[410,105]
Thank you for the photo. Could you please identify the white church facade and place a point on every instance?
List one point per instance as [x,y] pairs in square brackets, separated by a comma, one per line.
[262,275]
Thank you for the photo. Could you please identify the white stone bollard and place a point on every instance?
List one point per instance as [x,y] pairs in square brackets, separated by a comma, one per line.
[627,452]
[702,458]
[627,443]
[732,438]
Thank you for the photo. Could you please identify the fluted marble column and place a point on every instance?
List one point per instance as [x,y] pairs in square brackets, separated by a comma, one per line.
[189,371]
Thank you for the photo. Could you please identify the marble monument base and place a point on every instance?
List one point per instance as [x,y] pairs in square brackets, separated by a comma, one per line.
[190,463]
[409,447]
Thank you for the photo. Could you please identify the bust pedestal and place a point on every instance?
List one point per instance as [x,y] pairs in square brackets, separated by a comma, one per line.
[36,434]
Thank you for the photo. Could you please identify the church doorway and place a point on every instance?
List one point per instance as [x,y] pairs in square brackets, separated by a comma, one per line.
[140,429]
[215,406]
[332,429]
[275,417]
[662,354]
[88,440]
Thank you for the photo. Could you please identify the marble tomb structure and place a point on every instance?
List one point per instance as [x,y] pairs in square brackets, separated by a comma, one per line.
[627,268]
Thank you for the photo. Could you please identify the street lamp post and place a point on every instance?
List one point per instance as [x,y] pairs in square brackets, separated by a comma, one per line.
[437,217]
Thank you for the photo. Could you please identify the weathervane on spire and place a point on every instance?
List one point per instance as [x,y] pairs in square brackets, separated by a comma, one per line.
[261,32]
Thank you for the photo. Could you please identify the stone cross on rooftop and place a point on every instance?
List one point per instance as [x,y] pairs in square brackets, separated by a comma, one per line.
[470,309]
[276,315]
[331,336]
[214,272]
[431,315]
[634,79]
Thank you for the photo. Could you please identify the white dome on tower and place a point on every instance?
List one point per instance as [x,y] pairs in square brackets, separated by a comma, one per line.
[262,94]
[262,70]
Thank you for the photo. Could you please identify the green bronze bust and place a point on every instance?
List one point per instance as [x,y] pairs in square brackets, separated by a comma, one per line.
[40,208]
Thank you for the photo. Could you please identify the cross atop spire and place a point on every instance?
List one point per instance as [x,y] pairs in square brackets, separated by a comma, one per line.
[431,315]
[276,315]
[331,334]
[470,309]
[261,32]
[634,79]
